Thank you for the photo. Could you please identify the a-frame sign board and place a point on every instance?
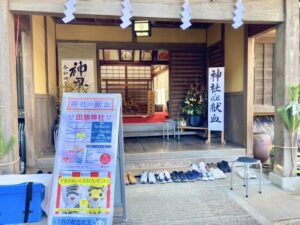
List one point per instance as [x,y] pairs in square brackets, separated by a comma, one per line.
[88,161]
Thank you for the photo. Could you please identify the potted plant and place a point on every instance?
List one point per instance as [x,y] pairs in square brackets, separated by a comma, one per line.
[6,148]
[290,114]
[194,106]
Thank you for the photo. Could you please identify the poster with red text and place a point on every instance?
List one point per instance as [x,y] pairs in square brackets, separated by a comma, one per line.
[85,161]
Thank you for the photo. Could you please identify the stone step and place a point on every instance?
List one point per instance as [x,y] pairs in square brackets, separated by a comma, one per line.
[139,162]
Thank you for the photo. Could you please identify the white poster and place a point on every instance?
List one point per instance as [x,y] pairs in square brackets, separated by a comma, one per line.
[85,162]
[216,98]
[79,71]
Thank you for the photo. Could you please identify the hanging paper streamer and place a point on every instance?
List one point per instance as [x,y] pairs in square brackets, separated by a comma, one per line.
[238,14]
[126,11]
[70,9]
[186,15]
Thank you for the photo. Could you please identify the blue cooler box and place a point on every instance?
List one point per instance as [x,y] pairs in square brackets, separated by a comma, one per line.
[21,203]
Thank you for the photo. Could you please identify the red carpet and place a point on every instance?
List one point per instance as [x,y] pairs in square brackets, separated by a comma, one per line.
[156,118]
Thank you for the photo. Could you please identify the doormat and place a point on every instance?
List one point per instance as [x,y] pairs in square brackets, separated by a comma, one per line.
[184,204]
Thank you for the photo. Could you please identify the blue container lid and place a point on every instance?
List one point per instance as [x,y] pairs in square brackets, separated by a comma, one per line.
[20,188]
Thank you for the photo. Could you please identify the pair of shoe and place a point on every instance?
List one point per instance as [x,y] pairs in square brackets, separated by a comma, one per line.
[224,166]
[201,168]
[179,176]
[163,177]
[217,173]
[148,178]
[129,178]
[193,175]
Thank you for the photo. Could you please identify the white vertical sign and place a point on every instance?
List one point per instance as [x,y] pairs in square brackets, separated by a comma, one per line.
[85,162]
[216,98]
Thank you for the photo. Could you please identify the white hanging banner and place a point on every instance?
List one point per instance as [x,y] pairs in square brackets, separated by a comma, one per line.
[216,98]
[238,14]
[126,14]
[85,163]
[186,15]
[69,11]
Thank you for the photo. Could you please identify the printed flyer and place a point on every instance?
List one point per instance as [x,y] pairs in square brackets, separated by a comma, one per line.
[85,161]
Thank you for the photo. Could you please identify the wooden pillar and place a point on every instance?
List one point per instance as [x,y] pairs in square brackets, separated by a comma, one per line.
[29,97]
[248,93]
[8,87]
[285,73]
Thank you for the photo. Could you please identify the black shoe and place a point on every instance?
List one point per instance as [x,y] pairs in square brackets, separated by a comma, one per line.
[226,165]
[221,166]
[182,176]
[175,177]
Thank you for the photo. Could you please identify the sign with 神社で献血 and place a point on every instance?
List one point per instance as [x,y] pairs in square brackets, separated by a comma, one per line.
[216,98]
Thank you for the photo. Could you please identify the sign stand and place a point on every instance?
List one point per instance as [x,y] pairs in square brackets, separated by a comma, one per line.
[88,178]
[120,199]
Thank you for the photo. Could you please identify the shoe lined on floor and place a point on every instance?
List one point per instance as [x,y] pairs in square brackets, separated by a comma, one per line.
[131,178]
[204,176]
[217,173]
[126,181]
[222,167]
[226,165]
[191,176]
[210,176]
[160,177]
[194,167]
[202,167]
[144,178]
[168,178]
[182,176]
[151,178]
[175,177]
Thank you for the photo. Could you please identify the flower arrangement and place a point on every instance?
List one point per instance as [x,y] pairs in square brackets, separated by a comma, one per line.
[195,102]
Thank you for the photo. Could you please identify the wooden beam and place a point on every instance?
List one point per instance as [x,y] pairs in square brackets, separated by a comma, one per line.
[29,98]
[8,88]
[267,11]
[285,73]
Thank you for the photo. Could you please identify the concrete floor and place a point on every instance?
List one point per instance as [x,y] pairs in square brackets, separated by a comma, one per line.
[273,206]
[217,205]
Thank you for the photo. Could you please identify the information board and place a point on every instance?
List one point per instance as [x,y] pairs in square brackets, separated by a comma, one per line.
[85,162]
[216,98]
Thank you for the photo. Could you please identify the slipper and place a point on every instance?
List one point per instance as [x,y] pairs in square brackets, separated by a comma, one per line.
[131,178]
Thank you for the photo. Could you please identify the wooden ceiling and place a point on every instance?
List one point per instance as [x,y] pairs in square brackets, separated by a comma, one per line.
[117,22]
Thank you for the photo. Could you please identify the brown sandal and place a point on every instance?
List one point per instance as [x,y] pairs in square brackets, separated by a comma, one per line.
[131,178]
[126,179]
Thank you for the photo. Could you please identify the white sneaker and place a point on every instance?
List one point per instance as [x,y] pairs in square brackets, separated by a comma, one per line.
[202,167]
[160,177]
[144,178]
[168,178]
[210,176]
[151,178]
[221,173]
[194,167]
[204,176]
